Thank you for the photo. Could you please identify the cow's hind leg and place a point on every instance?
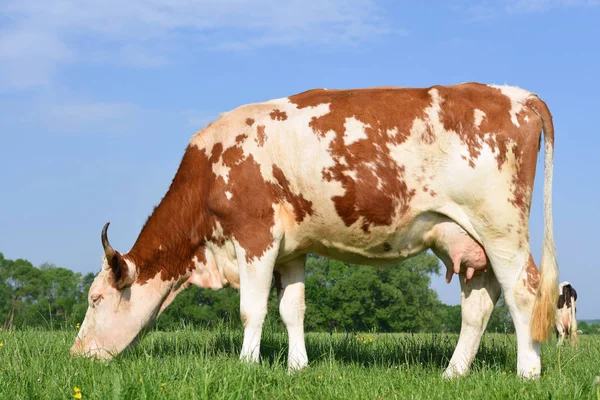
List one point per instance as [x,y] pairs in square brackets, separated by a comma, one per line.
[255,284]
[478,297]
[291,309]
[560,333]
[518,276]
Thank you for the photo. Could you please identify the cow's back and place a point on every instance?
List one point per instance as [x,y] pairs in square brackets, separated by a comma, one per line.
[360,165]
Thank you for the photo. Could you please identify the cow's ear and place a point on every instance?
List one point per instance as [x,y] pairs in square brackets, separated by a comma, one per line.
[121,274]
[574,294]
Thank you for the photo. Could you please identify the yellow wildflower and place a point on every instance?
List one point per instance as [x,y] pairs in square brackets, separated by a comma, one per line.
[340,377]
[77,326]
[76,389]
[77,395]
[1,344]
[371,340]
[319,377]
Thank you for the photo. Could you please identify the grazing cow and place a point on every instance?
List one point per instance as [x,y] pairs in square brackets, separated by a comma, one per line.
[566,321]
[370,176]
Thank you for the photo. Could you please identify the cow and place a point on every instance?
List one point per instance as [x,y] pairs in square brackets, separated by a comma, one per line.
[368,176]
[566,321]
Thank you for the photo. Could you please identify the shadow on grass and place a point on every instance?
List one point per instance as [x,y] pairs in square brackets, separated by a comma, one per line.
[387,350]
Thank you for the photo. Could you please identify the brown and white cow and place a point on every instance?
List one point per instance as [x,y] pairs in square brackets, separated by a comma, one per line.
[369,176]
[566,320]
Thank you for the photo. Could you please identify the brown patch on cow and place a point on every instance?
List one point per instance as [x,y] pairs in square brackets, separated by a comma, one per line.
[278,285]
[278,115]
[497,130]
[190,223]
[533,276]
[232,156]
[249,215]
[249,121]
[301,206]
[240,138]
[388,115]
[260,135]
[432,193]
[216,152]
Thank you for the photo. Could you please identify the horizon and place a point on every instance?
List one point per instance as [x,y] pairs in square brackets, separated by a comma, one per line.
[100,100]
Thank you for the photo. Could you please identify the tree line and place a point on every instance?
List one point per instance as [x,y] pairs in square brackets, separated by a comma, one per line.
[339,296]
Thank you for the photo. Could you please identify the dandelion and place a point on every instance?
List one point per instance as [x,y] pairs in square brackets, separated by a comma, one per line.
[1,344]
[340,377]
[141,380]
[319,377]
[77,394]
[371,340]
[77,326]
[162,387]
[76,389]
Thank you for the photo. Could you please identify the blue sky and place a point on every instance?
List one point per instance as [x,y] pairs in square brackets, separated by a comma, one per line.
[99,99]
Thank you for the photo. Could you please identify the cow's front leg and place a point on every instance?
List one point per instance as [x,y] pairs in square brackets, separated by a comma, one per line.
[478,297]
[291,309]
[255,283]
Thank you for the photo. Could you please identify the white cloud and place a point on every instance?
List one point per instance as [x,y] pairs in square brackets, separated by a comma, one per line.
[42,35]
[97,117]
[490,9]
[533,6]
[28,57]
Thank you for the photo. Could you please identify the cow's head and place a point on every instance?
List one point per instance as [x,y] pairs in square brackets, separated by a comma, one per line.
[120,307]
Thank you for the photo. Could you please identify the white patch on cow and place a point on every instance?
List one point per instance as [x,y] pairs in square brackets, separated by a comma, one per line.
[228,195]
[517,96]
[422,128]
[110,326]
[277,101]
[352,174]
[221,170]
[479,115]
[354,131]
[526,118]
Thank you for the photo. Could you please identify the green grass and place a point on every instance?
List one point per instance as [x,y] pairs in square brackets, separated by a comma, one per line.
[203,363]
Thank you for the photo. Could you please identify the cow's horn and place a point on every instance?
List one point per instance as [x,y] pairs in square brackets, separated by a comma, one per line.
[108,250]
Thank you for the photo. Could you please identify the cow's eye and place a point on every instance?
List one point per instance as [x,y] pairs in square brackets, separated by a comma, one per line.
[96,298]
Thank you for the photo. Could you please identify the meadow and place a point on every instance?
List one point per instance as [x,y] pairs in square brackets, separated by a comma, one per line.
[203,364]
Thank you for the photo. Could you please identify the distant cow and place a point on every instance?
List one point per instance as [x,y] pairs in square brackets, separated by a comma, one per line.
[367,176]
[566,321]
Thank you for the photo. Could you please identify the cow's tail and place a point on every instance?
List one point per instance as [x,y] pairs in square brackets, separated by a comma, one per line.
[544,308]
[573,337]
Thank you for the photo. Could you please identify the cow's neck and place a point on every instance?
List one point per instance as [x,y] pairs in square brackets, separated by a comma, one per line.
[178,225]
